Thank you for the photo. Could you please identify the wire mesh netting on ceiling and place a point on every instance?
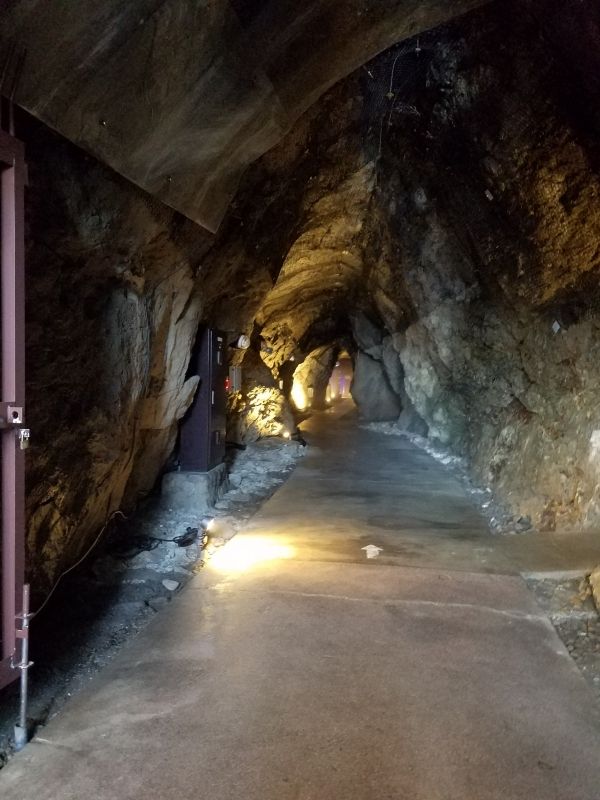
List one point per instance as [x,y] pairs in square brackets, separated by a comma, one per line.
[391,86]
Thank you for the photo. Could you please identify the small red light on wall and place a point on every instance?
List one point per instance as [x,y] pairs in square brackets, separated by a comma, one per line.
[228,384]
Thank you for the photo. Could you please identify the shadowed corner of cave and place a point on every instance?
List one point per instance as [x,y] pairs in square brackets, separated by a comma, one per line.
[311,296]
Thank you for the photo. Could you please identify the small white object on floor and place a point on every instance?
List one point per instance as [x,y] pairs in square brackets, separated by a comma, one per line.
[372,550]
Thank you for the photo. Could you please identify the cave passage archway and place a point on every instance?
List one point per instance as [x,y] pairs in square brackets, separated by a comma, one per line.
[455,207]
[311,179]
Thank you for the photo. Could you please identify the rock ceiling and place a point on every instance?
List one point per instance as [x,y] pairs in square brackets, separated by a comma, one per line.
[320,269]
[180,96]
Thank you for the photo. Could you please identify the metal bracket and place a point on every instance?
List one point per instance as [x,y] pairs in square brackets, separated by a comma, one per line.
[11,415]
[19,664]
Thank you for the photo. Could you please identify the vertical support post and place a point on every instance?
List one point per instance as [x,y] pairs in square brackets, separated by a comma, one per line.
[21,728]
[12,405]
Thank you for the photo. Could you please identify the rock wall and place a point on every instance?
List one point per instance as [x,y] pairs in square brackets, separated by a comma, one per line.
[485,253]
[260,408]
[448,192]
[311,377]
[180,96]
[113,308]
[376,387]
[117,286]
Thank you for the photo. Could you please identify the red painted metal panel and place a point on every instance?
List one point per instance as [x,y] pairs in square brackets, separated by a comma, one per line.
[12,401]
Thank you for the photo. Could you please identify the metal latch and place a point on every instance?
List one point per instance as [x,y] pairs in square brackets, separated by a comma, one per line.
[15,415]
[23,435]
[10,415]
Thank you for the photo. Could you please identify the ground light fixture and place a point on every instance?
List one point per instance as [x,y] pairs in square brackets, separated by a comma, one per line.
[207,524]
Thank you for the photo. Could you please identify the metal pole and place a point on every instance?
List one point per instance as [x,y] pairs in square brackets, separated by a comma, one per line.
[12,406]
[21,732]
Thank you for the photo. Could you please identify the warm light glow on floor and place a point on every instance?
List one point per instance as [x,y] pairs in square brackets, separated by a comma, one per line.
[244,552]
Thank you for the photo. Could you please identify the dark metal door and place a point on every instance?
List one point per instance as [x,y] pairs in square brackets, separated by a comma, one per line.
[12,398]
[202,440]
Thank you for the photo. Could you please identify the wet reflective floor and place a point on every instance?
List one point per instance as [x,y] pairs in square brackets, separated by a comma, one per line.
[365,637]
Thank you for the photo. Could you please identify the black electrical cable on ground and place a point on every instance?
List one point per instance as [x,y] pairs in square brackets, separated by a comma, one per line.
[79,561]
[146,543]
[183,540]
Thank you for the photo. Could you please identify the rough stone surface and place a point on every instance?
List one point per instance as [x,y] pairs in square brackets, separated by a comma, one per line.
[474,243]
[180,97]
[367,336]
[573,614]
[194,491]
[312,376]
[259,412]
[500,224]
[447,193]
[594,581]
[327,253]
[113,310]
[371,390]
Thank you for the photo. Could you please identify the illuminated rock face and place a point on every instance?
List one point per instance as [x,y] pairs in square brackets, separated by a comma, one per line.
[458,211]
[476,241]
[328,253]
[260,409]
[311,378]
[258,413]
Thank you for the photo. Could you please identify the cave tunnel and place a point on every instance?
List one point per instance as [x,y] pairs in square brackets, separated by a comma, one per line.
[299,412]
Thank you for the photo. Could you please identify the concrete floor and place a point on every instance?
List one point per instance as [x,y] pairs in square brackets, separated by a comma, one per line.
[294,668]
